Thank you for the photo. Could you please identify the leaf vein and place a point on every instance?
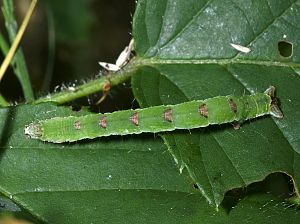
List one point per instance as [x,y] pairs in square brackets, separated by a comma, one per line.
[217,61]
[188,23]
[242,11]
[266,28]
[236,169]
[97,190]
[205,170]
[163,22]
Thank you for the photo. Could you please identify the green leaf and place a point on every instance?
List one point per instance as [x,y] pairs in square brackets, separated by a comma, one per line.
[262,209]
[18,62]
[60,182]
[184,49]
[109,180]
[72,20]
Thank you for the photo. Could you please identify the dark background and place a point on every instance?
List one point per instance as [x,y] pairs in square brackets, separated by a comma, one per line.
[64,42]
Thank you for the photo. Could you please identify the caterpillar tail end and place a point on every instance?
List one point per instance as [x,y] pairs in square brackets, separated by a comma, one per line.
[270,91]
[33,130]
[274,110]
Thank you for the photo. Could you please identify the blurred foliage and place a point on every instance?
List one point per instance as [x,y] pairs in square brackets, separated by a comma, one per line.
[64,42]
[18,62]
[7,219]
[72,21]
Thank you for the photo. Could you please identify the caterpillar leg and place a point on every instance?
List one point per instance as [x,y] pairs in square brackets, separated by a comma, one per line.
[274,110]
[236,125]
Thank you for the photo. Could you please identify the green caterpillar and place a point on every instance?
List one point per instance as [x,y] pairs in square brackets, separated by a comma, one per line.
[188,115]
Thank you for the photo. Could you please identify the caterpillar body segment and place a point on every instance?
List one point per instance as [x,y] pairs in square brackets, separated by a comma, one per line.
[187,115]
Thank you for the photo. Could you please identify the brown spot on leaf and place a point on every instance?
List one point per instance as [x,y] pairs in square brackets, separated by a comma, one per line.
[77,125]
[168,115]
[135,119]
[203,110]
[232,105]
[195,186]
[102,122]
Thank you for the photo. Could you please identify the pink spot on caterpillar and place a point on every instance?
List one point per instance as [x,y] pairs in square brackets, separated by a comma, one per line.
[77,125]
[135,119]
[232,105]
[102,122]
[168,116]
[203,110]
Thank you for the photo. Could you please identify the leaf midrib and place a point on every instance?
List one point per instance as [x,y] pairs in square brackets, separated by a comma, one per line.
[102,189]
[158,61]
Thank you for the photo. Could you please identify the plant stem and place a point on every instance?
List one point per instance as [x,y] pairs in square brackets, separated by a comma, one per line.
[20,67]
[4,47]
[91,87]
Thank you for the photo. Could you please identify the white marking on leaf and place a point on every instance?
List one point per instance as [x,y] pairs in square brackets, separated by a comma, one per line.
[241,48]
[125,55]
[109,67]
[121,61]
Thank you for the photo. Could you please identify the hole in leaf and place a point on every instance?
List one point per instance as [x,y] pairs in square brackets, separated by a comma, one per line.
[278,185]
[196,186]
[285,49]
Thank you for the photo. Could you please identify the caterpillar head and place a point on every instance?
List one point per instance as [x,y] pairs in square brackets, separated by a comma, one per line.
[33,130]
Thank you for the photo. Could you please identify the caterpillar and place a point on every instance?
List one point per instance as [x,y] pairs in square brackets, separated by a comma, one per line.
[187,115]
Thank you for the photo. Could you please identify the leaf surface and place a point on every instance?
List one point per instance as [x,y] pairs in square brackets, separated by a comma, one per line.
[133,179]
[185,53]
[63,182]
[109,180]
